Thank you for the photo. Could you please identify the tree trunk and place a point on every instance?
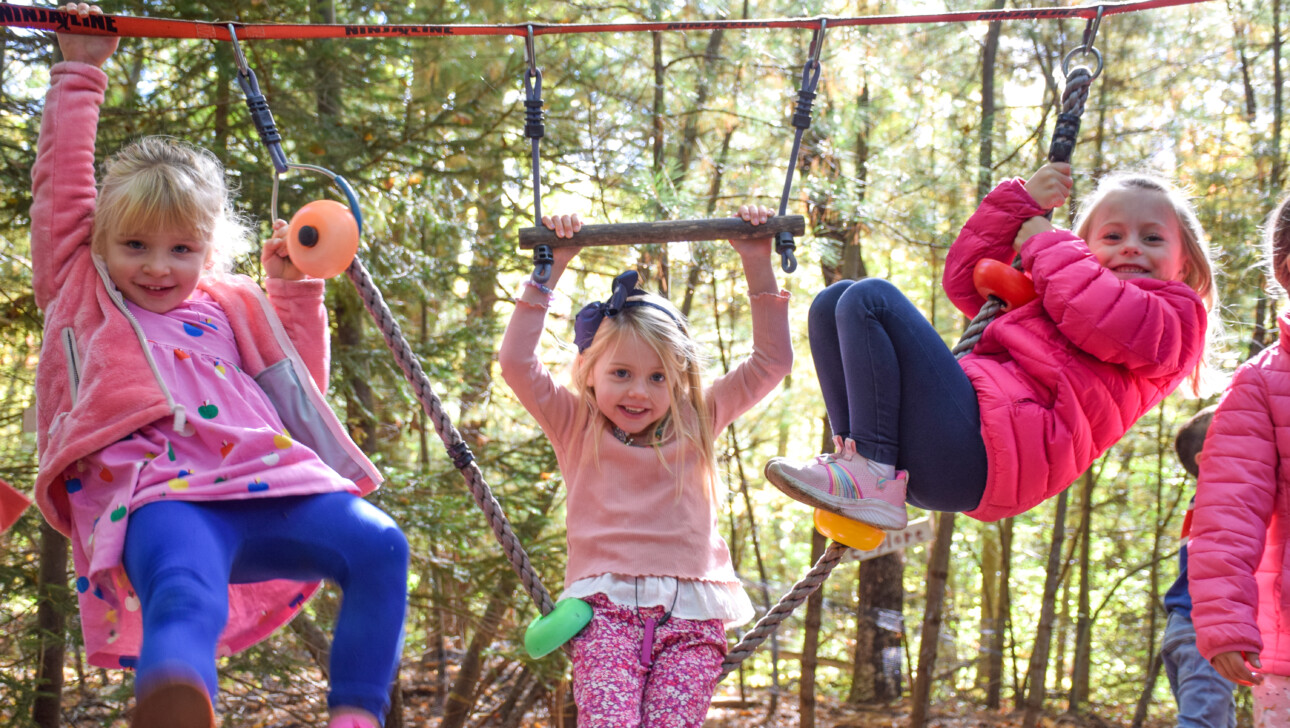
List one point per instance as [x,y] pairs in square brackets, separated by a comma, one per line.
[997,640]
[51,620]
[811,639]
[989,51]
[876,672]
[1148,691]
[1278,86]
[1083,623]
[1043,635]
[938,574]
[461,699]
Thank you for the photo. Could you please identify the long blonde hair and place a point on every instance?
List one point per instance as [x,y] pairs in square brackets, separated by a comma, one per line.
[666,332]
[1198,273]
[160,183]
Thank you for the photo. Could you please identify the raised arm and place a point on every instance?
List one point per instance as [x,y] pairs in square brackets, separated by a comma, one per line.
[550,404]
[62,177]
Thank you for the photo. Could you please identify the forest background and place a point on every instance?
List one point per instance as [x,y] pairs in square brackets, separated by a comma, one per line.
[1054,612]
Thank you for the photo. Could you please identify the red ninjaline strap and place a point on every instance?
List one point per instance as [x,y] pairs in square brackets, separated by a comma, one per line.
[36,18]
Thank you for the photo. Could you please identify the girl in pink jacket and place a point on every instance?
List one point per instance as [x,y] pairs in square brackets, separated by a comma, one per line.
[185,445]
[1118,322]
[635,440]
[1237,562]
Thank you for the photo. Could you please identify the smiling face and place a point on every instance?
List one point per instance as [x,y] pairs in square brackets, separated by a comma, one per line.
[1135,233]
[156,270]
[631,386]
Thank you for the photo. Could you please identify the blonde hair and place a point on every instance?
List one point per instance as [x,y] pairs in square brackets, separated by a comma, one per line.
[1198,273]
[160,183]
[687,419]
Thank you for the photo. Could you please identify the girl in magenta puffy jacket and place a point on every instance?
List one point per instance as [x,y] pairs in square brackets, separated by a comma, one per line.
[186,448]
[1118,323]
[1241,529]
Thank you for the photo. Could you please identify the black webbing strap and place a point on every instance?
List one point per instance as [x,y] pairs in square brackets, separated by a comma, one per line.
[784,244]
[534,129]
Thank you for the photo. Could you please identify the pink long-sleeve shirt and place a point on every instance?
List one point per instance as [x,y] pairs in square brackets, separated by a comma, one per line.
[624,517]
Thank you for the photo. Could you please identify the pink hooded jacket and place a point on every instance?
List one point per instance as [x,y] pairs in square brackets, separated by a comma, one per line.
[1237,565]
[95,382]
[1062,378]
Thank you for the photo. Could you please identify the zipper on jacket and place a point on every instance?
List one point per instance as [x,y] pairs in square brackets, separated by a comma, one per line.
[73,362]
[178,410]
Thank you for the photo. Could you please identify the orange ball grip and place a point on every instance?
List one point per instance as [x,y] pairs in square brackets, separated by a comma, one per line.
[322,238]
[996,278]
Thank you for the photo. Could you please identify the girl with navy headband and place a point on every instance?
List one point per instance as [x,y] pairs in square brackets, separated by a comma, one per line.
[634,435]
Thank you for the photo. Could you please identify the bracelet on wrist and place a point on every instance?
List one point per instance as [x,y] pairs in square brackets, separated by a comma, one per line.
[550,294]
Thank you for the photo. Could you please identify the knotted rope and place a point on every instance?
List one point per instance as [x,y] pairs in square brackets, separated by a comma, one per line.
[457,448]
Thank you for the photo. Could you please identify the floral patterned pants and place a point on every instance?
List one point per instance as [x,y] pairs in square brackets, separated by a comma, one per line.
[1271,702]
[614,690]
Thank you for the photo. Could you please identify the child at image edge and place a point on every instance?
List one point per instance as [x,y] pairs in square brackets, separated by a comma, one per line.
[185,445]
[1241,529]
[634,437]
[1118,323]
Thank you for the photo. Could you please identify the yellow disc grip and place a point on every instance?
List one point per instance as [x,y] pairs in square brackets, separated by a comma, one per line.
[322,238]
[845,531]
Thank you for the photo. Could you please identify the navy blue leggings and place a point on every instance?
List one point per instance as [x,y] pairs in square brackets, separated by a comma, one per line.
[182,555]
[891,385]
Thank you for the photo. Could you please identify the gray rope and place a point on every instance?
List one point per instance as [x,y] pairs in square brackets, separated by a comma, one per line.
[790,601]
[457,448]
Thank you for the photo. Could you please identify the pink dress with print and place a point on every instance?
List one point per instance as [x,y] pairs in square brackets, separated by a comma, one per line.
[232,447]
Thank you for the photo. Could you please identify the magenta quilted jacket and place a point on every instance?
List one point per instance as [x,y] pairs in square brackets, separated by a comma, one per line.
[1237,553]
[1062,378]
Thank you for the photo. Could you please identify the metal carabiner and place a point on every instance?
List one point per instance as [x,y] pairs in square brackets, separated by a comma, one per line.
[1086,47]
[1090,29]
[817,42]
[530,53]
[242,68]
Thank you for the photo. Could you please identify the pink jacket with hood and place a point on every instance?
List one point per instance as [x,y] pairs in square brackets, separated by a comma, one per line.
[1062,378]
[96,382]
[1237,565]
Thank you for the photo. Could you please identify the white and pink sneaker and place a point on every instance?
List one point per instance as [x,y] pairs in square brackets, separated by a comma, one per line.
[845,483]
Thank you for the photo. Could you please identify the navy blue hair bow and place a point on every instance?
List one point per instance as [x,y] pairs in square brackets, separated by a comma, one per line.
[588,320]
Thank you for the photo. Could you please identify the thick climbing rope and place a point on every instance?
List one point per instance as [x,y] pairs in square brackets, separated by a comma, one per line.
[784,607]
[457,448]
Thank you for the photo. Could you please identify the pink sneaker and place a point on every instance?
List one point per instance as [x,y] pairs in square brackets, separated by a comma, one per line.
[845,483]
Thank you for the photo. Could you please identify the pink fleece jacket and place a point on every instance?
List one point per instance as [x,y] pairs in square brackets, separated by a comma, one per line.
[624,517]
[95,383]
[1062,378]
[1237,565]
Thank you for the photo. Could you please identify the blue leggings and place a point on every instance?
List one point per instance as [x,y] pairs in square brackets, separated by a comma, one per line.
[891,385]
[181,557]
